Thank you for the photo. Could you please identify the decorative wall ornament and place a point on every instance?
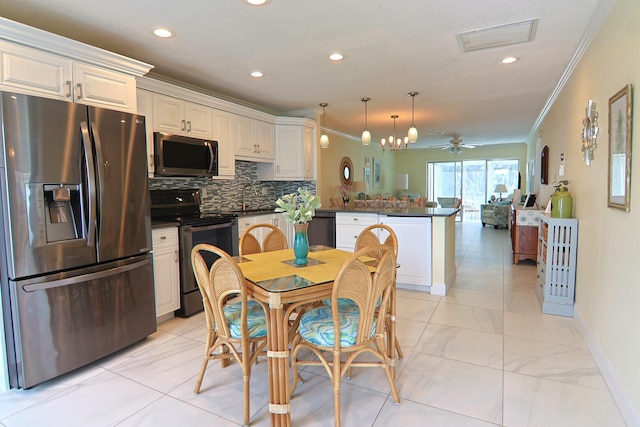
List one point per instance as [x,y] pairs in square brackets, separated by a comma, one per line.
[589,132]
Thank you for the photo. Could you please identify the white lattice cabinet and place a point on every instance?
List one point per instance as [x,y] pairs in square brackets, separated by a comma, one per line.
[557,254]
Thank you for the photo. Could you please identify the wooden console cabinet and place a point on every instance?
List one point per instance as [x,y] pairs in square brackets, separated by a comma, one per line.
[524,233]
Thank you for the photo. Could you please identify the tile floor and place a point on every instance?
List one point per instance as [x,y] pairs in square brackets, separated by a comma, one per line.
[484,355]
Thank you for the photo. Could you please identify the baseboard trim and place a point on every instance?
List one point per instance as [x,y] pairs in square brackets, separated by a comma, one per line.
[626,406]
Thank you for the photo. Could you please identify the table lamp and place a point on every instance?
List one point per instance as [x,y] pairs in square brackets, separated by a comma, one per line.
[500,188]
[361,188]
[402,181]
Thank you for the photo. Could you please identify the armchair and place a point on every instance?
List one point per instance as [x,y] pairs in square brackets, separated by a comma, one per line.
[496,214]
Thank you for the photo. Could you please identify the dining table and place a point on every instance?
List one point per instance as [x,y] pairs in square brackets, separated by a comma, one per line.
[274,279]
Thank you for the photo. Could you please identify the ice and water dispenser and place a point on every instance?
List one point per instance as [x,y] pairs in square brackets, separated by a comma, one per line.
[55,213]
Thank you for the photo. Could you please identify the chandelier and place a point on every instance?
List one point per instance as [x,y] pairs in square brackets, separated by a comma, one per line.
[394,143]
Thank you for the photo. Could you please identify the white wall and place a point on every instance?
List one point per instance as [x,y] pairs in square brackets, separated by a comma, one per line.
[608,278]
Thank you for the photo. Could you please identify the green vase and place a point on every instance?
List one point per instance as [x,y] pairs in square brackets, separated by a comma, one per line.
[561,204]
[300,244]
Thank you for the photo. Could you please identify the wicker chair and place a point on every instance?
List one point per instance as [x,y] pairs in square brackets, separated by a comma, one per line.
[273,239]
[368,238]
[361,329]
[234,322]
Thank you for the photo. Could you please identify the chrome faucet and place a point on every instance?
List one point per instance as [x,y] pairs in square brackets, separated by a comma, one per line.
[255,191]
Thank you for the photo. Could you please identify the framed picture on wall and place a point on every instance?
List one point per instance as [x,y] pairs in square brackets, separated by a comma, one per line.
[620,131]
[377,172]
[367,175]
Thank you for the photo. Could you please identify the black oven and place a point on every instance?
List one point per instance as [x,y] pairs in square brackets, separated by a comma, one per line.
[217,229]
[177,155]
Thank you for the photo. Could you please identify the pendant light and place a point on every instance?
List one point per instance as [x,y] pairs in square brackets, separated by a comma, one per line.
[413,131]
[324,139]
[366,135]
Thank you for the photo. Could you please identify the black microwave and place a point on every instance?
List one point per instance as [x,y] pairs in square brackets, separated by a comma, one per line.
[177,155]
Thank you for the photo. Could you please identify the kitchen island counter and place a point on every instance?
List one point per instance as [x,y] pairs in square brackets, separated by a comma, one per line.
[415,212]
[426,242]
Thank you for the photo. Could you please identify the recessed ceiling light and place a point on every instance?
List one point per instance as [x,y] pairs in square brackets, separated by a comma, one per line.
[164,33]
[257,74]
[437,133]
[256,2]
[509,60]
[336,56]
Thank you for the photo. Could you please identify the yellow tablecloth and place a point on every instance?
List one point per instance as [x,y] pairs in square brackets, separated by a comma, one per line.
[277,266]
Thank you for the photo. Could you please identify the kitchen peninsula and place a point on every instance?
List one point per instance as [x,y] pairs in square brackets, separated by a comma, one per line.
[426,240]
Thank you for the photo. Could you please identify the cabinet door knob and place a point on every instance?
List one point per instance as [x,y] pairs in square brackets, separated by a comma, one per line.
[183,124]
[68,88]
[189,126]
[163,237]
[79,86]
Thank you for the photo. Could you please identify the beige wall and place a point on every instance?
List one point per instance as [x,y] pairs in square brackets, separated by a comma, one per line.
[414,162]
[608,278]
[329,166]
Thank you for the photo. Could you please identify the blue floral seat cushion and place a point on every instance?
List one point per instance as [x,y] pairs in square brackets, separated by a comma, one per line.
[346,302]
[256,320]
[316,326]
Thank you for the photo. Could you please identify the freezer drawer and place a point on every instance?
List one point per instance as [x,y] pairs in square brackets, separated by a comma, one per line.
[63,321]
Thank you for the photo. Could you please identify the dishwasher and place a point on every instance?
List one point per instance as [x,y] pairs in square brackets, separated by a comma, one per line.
[322,229]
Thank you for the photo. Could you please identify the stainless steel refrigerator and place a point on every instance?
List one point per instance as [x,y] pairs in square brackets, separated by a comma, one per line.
[77,274]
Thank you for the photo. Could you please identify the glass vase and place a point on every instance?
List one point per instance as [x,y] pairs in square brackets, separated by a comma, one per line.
[300,244]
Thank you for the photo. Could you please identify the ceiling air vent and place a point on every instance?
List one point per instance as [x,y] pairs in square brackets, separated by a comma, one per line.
[500,35]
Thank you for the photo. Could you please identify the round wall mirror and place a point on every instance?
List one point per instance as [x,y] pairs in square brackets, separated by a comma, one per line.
[346,171]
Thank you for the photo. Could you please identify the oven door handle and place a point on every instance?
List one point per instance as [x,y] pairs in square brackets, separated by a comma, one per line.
[192,228]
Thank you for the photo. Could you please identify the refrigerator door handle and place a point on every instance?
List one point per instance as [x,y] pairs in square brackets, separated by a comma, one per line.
[91,183]
[84,277]
[100,175]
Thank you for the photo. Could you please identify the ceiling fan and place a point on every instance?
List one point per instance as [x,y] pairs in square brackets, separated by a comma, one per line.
[455,145]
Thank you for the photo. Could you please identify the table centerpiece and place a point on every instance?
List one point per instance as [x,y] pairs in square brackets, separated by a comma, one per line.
[298,209]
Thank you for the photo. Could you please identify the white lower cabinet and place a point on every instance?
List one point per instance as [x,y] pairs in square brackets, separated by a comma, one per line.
[349,225]
[414,249]
[166,274]
[276,219]
[414,243]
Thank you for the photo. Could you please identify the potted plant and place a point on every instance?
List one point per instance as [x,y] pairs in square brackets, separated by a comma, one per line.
[561,200]
[298,209]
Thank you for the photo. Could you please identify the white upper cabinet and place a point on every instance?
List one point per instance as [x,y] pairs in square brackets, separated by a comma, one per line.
[294,151]
[35,72]
[176,116]
[254,140]
[224,126]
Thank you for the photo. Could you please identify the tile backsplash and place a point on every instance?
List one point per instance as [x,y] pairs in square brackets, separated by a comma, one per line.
[221,195]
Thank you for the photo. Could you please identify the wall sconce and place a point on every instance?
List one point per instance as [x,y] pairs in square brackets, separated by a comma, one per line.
[589,132]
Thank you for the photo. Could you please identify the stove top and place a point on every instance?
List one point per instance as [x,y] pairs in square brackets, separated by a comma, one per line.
[183,206]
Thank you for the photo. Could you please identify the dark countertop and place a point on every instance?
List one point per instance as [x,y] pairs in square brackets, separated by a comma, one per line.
[163,224]
[426,212]
[416,212]
[251,211]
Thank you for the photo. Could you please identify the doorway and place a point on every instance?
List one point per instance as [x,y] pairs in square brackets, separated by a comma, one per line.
[473,181]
